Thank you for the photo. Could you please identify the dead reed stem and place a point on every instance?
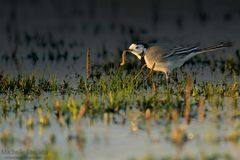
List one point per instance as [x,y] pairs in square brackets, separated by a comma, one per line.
[174,116]
[154,87]
[63,89]
[84,107]
[57,107]
[201,109]
[88,64]
[187,98]
[148,114]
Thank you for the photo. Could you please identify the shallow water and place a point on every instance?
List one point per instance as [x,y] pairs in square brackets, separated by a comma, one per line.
[124,136]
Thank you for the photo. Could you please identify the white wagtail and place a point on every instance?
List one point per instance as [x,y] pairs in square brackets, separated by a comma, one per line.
[165,60]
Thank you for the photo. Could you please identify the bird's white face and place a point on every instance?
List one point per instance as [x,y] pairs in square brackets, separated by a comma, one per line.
[137,49]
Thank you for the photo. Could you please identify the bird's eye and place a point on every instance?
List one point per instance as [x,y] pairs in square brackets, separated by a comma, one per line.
[137,47]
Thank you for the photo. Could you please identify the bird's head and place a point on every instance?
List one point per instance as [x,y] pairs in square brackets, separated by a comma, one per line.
[137,49]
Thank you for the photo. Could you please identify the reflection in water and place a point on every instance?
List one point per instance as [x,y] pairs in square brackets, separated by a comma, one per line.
[133,116]
[160,132]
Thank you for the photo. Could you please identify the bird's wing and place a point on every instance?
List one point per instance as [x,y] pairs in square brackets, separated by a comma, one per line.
[180,51]
[160,54]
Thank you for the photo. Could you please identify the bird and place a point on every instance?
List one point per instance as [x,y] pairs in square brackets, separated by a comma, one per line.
[165,59]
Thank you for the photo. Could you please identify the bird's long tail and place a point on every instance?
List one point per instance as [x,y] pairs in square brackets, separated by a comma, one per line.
[214,47]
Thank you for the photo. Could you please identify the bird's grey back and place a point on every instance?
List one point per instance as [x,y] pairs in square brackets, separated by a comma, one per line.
[156,53]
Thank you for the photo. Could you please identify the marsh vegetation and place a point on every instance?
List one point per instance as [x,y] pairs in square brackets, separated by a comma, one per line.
[57,117]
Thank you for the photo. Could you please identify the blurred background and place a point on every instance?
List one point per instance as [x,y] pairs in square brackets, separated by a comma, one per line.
[36,32]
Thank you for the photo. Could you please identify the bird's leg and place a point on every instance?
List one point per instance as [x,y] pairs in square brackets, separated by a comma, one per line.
[167,78]
[143,67]
[140,71]
[151,71]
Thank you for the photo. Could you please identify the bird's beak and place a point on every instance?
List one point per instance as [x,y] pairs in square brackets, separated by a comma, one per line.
[133,52]
[128,50]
